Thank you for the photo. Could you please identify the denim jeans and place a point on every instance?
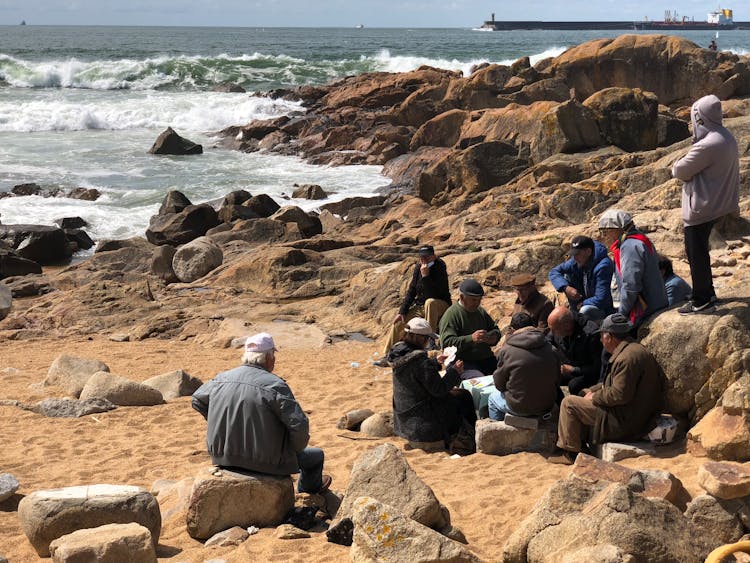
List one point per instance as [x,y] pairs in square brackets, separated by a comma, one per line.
[498,406]
[310,470]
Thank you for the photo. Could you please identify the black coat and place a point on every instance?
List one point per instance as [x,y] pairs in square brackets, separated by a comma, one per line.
[422,406]
[583,351]
[432,286]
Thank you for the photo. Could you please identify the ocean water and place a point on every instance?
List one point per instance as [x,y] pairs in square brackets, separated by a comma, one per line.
[81,106]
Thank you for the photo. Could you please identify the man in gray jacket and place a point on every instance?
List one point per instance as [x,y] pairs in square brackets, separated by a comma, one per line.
[254,422]
[711,172]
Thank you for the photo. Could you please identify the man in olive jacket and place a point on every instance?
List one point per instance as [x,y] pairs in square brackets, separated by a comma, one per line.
[254,422]
[624,406]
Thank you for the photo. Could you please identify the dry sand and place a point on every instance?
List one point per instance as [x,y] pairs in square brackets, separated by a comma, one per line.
[487,495]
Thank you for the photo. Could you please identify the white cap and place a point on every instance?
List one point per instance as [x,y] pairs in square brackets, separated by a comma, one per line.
[615,219]
[418,325]
[261,342]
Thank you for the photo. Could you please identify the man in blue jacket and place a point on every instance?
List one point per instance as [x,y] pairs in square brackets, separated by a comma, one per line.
[254,422]
[711,172]
[585,278]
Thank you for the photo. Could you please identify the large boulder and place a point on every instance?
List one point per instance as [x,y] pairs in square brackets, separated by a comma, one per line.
[161,263]
[574,514]
[110,543]
[180,228]
[169,142]
[120,391]
[42,244]
[309,225]
[262,204]
[221,499]
[443,130]
[174,384]
[195,259]
[8,486]
[12,265]
[384,474]
[49,514]
[174,202]
[383,535]
[721,435]
[627,117]
[714,522]
[725,480]
[71,372]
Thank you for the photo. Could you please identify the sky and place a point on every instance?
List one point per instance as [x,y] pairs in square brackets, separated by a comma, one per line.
[341,13]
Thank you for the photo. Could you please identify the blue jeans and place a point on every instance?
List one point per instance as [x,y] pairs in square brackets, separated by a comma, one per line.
[498,406]
[310,462]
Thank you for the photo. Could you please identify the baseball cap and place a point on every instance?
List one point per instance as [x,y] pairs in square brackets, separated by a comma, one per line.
[615,219]
[616,324]
[471,287]
[418,325]
[580,243]
[261,342]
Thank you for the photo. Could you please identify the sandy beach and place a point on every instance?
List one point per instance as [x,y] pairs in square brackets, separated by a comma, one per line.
[487,495]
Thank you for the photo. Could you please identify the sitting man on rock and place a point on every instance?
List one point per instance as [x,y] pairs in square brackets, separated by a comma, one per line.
[254,422]
[678,290]
[641,286]
[527,374]
[530,301]
[623,407]
[427,407]
[468,327]
[576,340]
[585,278]
[428,296]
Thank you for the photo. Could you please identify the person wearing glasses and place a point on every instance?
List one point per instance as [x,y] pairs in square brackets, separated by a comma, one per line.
[585,278]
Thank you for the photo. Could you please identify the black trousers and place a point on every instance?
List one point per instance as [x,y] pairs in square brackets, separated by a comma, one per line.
[696,248]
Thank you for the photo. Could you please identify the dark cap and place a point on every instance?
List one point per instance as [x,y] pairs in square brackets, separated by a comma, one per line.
[521,320]
[519,280]
[471,288]
[426,250]
[616,324]
[581,243]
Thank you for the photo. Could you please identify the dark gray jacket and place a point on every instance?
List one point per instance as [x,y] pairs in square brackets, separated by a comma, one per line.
[254,422]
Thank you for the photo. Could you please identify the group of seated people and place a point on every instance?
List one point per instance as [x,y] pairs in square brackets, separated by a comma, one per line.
[587,345]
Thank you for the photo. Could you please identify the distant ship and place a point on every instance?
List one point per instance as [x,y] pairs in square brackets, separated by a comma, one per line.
[719,20]
[359,26]
[23,22]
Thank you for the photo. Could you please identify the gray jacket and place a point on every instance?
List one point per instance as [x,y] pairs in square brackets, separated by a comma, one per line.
[254,422]
[711,169]
[639,275]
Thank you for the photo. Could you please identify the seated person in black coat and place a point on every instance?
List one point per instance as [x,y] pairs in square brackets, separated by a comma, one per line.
[426,407]
[579,347]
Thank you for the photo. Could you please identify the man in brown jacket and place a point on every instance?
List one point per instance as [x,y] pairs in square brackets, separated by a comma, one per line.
[530,300]
[620,408]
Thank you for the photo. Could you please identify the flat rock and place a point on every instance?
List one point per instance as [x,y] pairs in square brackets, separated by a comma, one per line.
[8,486]
[222,499]
[120,390]
[384,474]
[289,532]
[70,408]
[721,436]
[174,384]
[72,372]
[521,422]
[49,514]
[615,451]
[233,536]
[725,480]
[384,535]
[496,437]
[111,543]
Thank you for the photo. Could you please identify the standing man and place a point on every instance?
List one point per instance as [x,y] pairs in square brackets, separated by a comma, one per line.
[530,301]
[641,286]
[468,327]
[585,278]
[711,172]
[254,422]
[428,296]
[623,406]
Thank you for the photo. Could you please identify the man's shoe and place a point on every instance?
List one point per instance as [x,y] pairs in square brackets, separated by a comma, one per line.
[563,457]
[325,484]
[382,363]
[691,308]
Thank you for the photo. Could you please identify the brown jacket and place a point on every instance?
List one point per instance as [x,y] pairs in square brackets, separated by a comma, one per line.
[538,307]
[630,396]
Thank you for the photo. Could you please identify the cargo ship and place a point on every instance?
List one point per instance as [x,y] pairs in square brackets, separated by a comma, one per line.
[720,19]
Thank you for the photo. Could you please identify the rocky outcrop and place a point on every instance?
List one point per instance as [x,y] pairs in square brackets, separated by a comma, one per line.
[39,243]
[182,227]
[169,142]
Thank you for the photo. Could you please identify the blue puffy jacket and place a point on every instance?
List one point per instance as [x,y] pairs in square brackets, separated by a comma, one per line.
[592,281]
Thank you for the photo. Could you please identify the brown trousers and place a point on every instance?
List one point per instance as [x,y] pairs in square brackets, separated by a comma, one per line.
[432,311]
[576,413]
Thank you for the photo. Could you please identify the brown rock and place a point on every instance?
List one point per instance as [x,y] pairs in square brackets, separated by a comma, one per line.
[169,142]
[378,425]
[233,536]
[724,479]
[626,117]
[111,543]
[721,436]
[353,419]
[289,532]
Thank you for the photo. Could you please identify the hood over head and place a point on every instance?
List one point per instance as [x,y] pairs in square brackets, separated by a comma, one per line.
[706,116]
[528,338]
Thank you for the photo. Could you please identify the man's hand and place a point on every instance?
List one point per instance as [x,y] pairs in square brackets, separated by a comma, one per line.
[479,336]
[399,319]
[424,269]
[566,369]
[572,293]
[589,396]
[458,365]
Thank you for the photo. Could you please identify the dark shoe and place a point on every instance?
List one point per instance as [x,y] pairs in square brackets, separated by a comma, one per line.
[691,308]
[563,457]
[715,300]
[325,485]
[382,363]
